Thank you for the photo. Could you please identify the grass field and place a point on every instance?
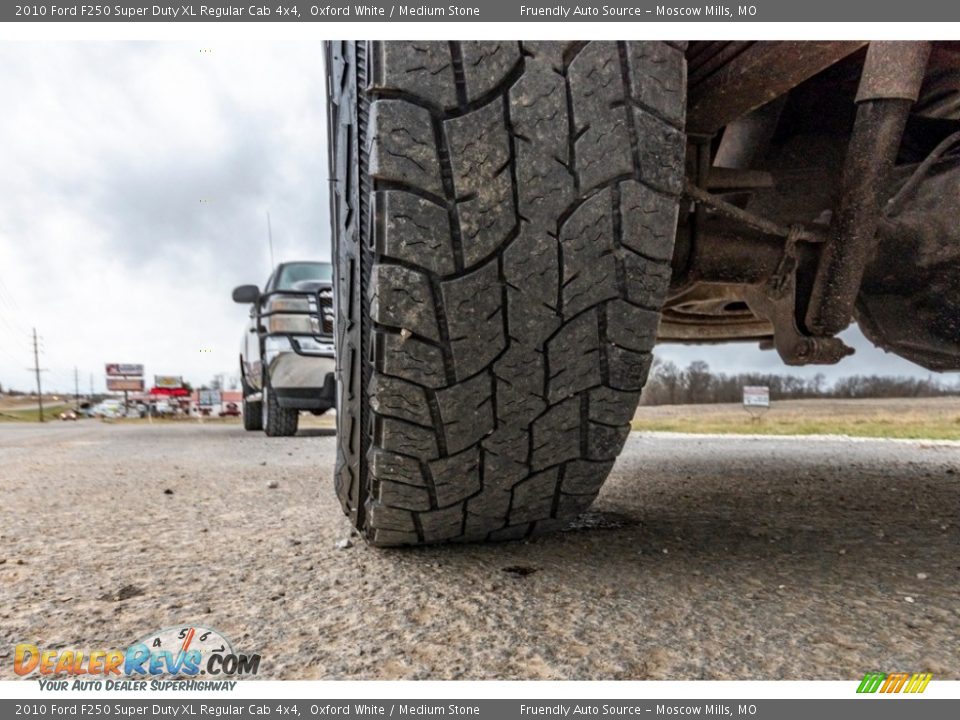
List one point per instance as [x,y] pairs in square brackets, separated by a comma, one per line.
[926,418]
[29,414]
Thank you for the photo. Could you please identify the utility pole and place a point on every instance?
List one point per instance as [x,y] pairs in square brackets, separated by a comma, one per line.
[76,387]
[36,370]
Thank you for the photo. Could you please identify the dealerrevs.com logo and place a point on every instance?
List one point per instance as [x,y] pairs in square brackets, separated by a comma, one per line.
[175,652]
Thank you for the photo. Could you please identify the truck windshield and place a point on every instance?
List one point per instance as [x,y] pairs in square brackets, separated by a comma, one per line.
[293,273]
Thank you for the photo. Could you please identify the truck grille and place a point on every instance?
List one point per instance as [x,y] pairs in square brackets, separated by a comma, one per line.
[325,306]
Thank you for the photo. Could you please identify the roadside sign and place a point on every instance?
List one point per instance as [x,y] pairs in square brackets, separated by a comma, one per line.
[170,382]
[122,369]
[118,384]
[756,396]
[209,398]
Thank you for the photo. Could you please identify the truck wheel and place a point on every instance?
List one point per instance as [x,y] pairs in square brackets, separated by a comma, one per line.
[252,415]
[277,421]
[503,218]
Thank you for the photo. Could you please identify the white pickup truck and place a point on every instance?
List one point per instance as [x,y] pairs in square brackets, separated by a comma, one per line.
[287,353]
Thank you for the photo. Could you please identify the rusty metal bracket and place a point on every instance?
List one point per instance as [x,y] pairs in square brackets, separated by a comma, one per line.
[776,301]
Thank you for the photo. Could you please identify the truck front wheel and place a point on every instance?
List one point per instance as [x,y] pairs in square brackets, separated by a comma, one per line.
[252,415]
[277,421]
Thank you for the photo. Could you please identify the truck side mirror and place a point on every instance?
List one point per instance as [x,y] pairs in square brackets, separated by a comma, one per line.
[246,294]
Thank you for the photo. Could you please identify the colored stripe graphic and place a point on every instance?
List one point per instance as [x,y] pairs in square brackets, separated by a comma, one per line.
[871,682]
[894,682]
[918,682]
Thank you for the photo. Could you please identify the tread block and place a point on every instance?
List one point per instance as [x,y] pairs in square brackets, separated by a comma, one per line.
[422,68]
[661,153]
[402,299]
[574,357]
[508,449]
[589,265]
[402,145]
[556,434]
[605,442]
[530,323]
[402,437]
[384,517]
[533,498]
[519,377]
[631,327]
[648,220]
[406,497]
[441,524]
[486,64]
[473,305]
[457,477]
[545,52]
[600,114]
[657,80]
[646,282]
[411,359]
[466,410]
[415,230]
[538,113]
[390,466]
[390,396]
[581,477]
[480,161]
[531,269]
[492,504]
[627,369]
[612,406]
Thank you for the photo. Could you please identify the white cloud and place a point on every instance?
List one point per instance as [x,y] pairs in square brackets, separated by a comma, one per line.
[134,183]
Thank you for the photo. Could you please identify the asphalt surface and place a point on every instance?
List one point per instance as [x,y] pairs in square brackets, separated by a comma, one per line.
[703,558]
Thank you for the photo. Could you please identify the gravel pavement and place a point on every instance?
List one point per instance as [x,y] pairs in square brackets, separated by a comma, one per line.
[703,558]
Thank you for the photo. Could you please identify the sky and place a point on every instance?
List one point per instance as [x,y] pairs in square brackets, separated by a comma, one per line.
[135,179]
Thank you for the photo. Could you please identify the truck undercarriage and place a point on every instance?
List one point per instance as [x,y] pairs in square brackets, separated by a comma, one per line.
[821,189]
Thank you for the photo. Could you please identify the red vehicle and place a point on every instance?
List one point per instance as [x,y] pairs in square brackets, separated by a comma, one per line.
[230,410]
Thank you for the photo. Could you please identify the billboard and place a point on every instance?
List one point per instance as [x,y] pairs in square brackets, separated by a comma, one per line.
[757,396]
[118,384]
[169,382]
[121,369]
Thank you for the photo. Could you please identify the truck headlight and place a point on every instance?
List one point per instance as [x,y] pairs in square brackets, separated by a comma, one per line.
[293,324]
[297,322]
[289,304]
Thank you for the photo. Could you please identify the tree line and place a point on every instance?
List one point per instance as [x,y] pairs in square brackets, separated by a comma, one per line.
[669,384]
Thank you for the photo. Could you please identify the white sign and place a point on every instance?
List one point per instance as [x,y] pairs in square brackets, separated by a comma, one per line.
[756,396]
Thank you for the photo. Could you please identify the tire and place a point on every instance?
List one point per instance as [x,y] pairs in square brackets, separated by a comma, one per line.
[252,415]
[503,218]
[277,421]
